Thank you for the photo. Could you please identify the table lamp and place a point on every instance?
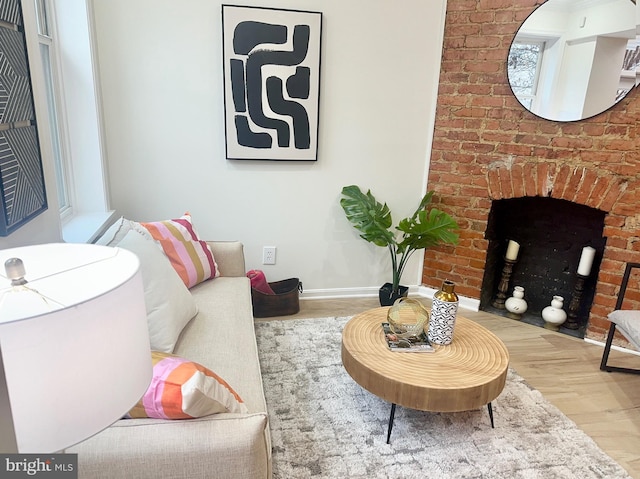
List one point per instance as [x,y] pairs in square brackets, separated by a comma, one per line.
[74,343]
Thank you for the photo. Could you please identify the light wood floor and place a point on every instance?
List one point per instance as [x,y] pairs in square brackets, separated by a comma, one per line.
[564,369]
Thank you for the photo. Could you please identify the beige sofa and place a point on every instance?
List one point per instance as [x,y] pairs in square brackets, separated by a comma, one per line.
[221,337]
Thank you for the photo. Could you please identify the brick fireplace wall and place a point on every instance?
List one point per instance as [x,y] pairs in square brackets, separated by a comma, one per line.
[487,146]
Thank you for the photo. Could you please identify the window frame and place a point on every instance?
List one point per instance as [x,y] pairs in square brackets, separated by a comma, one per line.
[55,109]
[531,98]
[79,119]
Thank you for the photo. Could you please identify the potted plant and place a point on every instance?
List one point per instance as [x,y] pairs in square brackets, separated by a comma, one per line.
[427,227]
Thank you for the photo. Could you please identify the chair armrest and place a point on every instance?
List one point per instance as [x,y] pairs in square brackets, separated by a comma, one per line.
[229,256]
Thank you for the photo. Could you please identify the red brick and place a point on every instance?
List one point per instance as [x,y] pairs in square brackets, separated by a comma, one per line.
[472,192]
[513,149]
[560,182]
[517,181]
[487,101]
[480,182]
[616,242]
[625,210]
[494,4]
[584,191]
[493,54]
[504,16]
[572,185]
[547,128]
[530,179]
[470,112]
[496,136]
[505,182]
[482,17]
[497,29]
[573,143]
[619,130]
[483,66]
[597,193]
[475,89]
[463,135]
[482,42]
[614,221]
[628,170]
[622,145]
[612,195]
[544,182]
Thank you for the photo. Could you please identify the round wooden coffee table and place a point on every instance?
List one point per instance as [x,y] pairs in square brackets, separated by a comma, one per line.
[466,374]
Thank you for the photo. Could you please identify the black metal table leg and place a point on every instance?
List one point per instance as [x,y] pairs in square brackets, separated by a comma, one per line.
[393,413]
[490,408]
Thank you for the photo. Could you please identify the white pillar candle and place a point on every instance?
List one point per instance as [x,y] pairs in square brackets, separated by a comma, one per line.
[586,260]
[512,250]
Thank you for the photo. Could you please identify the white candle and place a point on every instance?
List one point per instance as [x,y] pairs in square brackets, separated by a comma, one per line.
[512,250]
[586,260]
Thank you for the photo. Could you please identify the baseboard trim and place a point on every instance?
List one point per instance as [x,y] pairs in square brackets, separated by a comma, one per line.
[372,292]
[337,293]
[466,303]
[613,346]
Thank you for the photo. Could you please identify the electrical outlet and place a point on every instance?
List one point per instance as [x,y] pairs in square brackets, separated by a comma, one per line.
[269,255]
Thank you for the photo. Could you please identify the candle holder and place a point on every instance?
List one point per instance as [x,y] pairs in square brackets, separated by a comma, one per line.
[503,286]
[574,306]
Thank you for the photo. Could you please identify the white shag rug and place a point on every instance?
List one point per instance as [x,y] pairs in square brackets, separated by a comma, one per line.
[324,425]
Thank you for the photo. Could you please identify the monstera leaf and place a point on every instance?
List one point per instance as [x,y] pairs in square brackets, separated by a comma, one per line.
[367,215]
[426,228]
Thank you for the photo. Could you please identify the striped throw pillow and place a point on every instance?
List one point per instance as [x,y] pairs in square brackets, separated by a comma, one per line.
[183,389]
[189,255]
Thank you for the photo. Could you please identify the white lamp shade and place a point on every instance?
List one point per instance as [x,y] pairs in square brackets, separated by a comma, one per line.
[76,369]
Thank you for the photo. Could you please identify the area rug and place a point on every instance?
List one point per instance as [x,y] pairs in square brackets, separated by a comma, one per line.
[324,425]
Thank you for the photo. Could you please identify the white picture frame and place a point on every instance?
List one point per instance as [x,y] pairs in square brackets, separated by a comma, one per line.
[271,83]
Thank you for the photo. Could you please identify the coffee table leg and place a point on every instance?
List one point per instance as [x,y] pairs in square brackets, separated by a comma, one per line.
[490,408]
[393,413]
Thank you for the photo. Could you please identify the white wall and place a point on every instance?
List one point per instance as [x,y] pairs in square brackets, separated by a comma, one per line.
[161,76]
[604,81]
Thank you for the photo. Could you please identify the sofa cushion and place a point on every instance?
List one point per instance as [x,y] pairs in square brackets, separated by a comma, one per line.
[183,389]
[169,303]
[189,255]
[116,232]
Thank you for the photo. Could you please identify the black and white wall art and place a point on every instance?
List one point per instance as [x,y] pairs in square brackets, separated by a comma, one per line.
[22,189]
[271,83]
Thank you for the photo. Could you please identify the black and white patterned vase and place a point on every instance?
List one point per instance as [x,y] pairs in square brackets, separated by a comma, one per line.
[443,314]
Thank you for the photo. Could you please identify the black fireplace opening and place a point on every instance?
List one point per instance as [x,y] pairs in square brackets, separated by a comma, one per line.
[552,234]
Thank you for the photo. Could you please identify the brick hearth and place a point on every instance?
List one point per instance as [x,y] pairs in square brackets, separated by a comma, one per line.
[487,146]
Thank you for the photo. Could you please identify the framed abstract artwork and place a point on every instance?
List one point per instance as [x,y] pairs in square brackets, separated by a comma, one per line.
[271,83]
[22,188]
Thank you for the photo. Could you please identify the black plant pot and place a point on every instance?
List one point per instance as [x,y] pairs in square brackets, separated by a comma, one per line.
[387,297]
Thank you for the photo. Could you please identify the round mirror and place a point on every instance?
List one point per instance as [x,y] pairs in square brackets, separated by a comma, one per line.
[573,59]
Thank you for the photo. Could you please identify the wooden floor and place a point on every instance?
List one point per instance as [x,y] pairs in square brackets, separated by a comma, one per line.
[565,369]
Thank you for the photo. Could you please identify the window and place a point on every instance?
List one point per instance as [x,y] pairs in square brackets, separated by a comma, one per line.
[46,55]
[65,39]
[523,69]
